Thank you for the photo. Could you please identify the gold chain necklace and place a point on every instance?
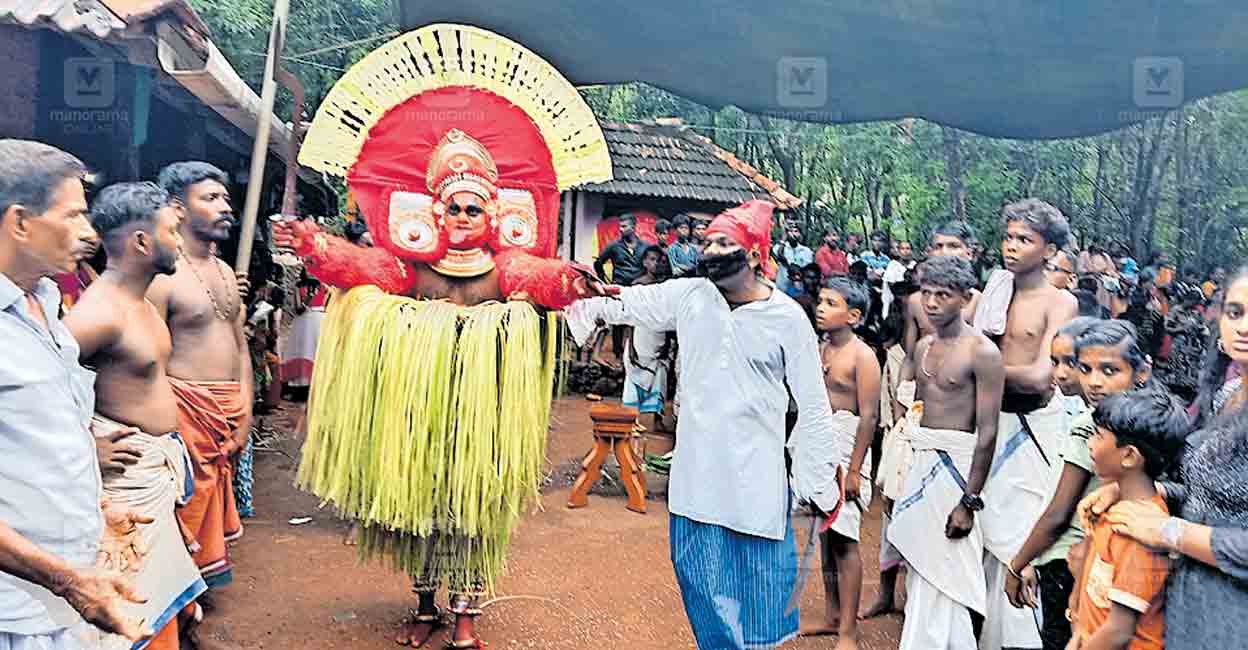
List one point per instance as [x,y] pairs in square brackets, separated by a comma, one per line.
[216,308]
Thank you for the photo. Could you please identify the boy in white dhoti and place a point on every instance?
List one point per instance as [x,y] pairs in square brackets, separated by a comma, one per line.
[959,378]
[1032,420]
[953,239]
[851,375]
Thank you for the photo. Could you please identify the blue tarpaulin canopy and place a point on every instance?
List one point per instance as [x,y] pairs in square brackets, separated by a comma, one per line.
[1010,68]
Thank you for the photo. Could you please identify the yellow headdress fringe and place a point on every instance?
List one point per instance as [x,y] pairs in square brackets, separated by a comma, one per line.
[442,55]
[427,423]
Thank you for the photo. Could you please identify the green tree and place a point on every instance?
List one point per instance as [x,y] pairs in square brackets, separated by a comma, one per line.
[241,29]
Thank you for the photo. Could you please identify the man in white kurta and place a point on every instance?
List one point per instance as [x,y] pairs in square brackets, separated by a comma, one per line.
[729,496]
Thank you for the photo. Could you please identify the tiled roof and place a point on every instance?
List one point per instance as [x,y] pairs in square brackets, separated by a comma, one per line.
[102,19]
[133,11]
[69,16]
[673,162]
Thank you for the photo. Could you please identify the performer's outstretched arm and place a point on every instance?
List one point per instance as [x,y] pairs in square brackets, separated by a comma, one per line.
[551,283]
[337,262]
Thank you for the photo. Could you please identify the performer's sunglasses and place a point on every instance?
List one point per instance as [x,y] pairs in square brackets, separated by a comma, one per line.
[472,210]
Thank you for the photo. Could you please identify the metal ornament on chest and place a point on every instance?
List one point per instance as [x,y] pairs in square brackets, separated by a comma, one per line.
[230,308]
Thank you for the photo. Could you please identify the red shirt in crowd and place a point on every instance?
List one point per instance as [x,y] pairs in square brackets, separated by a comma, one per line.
[831,262]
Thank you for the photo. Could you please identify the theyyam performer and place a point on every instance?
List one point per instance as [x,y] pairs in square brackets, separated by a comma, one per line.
[431,392]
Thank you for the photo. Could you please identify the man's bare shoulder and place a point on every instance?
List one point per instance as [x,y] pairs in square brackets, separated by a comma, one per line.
[170,282]
[98,304]
[1062,301]
[161,290]
[985,350]
[227,272]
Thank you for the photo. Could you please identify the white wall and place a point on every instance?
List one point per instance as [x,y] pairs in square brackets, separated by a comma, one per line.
[587,213]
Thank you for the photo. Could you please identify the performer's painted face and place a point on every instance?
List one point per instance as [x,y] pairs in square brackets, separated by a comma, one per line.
[467,223]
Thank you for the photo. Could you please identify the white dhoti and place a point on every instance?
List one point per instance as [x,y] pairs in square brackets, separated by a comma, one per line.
[892,452]
[848,522]
[945,578]
[645,378]
[299,348]
[153,487]
[895,454]
[1018,489]
[890,381]
[81,636]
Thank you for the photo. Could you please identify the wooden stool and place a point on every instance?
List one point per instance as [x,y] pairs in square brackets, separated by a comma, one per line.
[614,427]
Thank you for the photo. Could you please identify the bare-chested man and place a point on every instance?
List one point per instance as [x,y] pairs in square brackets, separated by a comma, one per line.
[959,378]
[210,369]
[123,337]
[1031,420]
[953,239]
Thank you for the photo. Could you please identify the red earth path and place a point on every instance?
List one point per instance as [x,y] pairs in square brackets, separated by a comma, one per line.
[597,577]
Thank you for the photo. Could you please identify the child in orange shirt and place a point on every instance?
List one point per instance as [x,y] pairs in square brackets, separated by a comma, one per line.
[1121,593]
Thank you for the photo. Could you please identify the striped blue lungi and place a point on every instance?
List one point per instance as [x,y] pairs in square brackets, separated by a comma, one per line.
[735,587]
[243,481]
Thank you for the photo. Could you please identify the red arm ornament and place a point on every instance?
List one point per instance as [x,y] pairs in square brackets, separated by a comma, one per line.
[339,263]
[551,283]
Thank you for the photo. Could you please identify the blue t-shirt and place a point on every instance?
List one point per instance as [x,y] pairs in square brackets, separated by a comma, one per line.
[1129,268]
[876,261]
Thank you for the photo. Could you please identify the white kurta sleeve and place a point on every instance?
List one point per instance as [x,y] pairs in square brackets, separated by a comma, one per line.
[652,306]
[813,443]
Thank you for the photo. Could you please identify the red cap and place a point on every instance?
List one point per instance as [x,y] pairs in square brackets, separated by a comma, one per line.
[748,224]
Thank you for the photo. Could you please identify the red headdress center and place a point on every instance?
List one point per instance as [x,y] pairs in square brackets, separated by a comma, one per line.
[461,164]
[749,225]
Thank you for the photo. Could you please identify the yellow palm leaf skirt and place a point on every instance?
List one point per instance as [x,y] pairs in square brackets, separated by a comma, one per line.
[427,423]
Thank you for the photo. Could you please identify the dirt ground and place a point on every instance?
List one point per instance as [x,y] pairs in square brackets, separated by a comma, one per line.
[597,577]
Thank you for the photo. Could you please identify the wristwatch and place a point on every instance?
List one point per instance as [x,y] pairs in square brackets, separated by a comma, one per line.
[972,502]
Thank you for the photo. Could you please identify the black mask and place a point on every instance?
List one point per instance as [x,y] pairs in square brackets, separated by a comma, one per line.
[718,267]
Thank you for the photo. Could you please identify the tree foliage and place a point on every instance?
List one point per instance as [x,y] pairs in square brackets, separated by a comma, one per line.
[1176,184]
[241,29]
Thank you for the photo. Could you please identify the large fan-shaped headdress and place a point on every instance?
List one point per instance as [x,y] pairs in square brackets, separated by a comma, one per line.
[452,107]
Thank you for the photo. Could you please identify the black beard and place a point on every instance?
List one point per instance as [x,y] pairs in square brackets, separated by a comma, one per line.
[165,263]
[209,231]
[718,267]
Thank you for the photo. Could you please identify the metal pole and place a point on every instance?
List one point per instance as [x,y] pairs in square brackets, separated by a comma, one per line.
[260,149]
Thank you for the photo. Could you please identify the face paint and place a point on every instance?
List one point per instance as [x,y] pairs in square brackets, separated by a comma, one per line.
[718,267]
